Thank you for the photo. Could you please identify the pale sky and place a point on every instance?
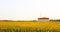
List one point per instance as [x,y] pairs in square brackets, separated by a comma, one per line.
[29,9]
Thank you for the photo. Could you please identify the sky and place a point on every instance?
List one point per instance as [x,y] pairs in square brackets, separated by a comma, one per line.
[29,9]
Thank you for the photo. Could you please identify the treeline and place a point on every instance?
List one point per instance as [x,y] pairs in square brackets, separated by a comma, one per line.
[56,20]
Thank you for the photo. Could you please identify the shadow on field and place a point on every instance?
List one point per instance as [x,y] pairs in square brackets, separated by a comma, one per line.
[26,29]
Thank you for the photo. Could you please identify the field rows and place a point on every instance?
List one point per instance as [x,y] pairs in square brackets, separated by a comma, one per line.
[29,26]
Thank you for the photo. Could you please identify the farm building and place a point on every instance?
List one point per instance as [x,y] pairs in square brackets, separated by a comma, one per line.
[44,19]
